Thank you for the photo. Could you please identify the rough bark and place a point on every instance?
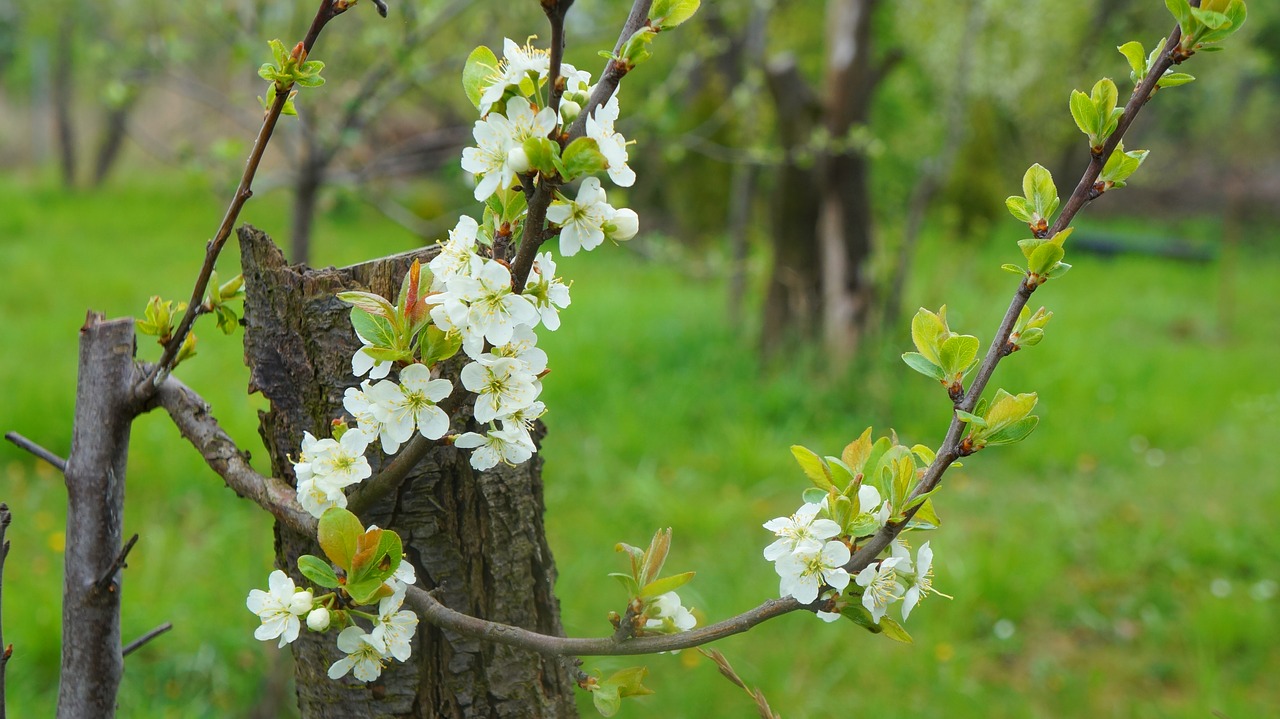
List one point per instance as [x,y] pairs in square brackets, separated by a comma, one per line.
[793,298]
[92,663]
[476,538]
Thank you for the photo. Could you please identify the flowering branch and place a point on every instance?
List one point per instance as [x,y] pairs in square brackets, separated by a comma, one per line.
[1085,191]
[328,10]
[534,228]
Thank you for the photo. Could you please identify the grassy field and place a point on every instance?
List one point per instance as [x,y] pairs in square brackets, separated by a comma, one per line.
[1120,563]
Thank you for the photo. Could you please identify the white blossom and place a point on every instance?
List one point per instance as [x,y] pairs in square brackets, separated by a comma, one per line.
[483,307]
[395,627]
[624,224]
[361,404]
[341,463]
[516,65]
[457,255]
[802,572]
[364,655]
[276,608]
[611,143]
[669,615]
[581,220]
[510,445]
[922,581]
[801,532]
[488,160]
[881,586]
[523,348]
[318,619]
[549,293]
[318,497]
[503,385]
[412,404]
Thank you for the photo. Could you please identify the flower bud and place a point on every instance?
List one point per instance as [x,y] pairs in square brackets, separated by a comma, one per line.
[318,619]
[626,224]
[301,602]
[569,110]
[518,161]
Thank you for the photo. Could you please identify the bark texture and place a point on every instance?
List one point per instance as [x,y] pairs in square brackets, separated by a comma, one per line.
[476,538]
[92,663]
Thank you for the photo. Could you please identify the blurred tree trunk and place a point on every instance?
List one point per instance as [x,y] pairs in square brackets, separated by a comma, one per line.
[745,173]
[63,89]
[475,538]
[114,129]
[794,295]
[306,194]
[844,219]
[822,216]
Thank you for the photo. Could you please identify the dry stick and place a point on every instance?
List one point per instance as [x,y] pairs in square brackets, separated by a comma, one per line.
[328,10]
[534,231]
[136,644]
[58,463]
[951,450]
[5,518]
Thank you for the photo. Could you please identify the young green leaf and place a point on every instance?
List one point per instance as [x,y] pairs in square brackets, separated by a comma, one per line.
[339,532]
[814,468]
[481,65]
[318,571]
[665,584]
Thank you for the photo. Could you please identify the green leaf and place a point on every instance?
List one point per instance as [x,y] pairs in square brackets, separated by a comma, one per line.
[894,630]
[226,319]
[378,555]
[972,419]
[812,495]
[928,329]
[582,157]
[926,517]
[339,531]
[813,467]
[1037,185]
[856,452]
[481,65]
[318,571]
[636,49]
[859,615]
[1013,432]
[1181,10]
[1058,270]
[438,345]
[1020,208]
[1084,113]
[628,583]
[666,14]
[666,584]
[919,363]
[655,556]
[376,330]
[1136,55]
[959,353]
[1044,258]
[606,699]
[1008,267]
[369,302]
[1174,79]
[543,156]
[1210,19]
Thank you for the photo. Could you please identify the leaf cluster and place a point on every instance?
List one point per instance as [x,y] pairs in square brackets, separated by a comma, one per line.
[366,558]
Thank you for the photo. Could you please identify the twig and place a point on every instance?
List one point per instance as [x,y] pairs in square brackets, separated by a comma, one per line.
[58,463]
[136,644]
[106,583]
[556,10]
[950,450]
[534,233]
[726,670]
[5,518]
[328,10]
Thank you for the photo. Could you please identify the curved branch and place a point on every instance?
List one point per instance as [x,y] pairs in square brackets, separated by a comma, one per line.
[1085,192]
[191,415]
[438,614]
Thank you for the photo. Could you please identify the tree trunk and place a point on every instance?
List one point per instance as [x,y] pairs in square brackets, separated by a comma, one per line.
[92,662]
[63,89]
[306,191]
[793,299]
[844,224]
[475,538]
[115,125]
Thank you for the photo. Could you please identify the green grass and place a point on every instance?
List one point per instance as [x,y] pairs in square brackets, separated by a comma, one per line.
[1099,541]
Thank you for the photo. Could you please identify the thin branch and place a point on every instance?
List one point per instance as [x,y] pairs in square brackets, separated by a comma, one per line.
[136,644]
[328,10]
[58,463]
[438,614]
[727,671]
[191,415]
[388,480]
[950,450]
[5,518]
[556,10]
[106,583]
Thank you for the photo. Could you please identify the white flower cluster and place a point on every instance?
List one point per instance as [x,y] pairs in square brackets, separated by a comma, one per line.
[281,608]
[809,555]
[897,578]
[666,615]
[327,466]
